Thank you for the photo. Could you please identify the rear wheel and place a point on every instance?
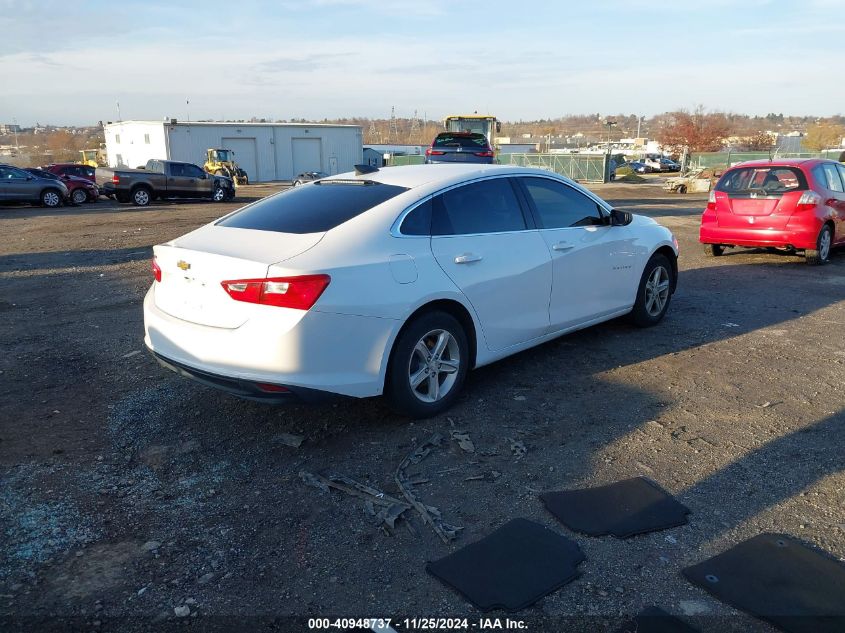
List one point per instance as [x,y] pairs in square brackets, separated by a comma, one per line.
[79,196]
[681,189]
[821,254]
[713,250]
[51,198]
[428,366]
[141,197]
[654,293]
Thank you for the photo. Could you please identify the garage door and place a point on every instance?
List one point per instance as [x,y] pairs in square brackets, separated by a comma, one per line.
[307,155]
[245,155]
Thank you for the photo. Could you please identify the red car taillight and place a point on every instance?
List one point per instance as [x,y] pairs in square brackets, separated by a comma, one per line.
[711,201]
[433,152]
[115,179]
[156,270]
[299,293]
[808,200]
[488,154]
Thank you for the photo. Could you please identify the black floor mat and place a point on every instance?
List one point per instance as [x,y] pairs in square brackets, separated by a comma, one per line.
[777,578]
[511,568]
[623,509]
[655,620]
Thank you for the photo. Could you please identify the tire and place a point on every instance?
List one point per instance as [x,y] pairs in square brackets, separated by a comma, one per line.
[296,183]
[681,189]
[408,362]
[51,198]
[713,250]
[821,254]
[654,292]
[141,196]
[79,196]
[219,194]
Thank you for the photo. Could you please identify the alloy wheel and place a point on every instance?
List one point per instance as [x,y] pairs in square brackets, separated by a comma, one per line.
[657,291]
[824,245]
[433,368]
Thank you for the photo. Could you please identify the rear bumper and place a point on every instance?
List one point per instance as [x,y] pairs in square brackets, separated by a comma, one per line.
[247,389]
[800,237]
[315,351]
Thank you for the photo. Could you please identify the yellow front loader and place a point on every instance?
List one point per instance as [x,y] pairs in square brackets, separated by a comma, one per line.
[221,162]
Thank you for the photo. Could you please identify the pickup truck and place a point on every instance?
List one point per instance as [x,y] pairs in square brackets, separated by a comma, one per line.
[163,179]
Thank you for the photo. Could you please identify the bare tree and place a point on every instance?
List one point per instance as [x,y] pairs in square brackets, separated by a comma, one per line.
[823,135]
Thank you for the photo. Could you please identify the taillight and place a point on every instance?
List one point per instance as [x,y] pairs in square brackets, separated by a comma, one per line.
[271,388]
[711,201]
[808,200]
[299,293]
[156,270]
[115,179]
[433,152]
[487,154]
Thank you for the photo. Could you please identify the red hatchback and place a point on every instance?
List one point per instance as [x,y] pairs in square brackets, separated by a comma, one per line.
[792,204]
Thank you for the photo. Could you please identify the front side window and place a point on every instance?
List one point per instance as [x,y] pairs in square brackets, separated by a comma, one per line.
[487,206]
[560,206]
[193,171]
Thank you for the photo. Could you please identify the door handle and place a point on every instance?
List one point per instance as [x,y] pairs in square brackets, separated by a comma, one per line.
[467,258]
[562,246]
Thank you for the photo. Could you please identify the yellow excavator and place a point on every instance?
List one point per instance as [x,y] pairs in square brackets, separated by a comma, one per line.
[221,162]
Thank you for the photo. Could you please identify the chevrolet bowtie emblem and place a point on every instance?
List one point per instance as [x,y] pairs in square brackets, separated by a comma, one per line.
[183,264]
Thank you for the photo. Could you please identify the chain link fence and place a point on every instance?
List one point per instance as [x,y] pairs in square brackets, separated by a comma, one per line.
[575,166]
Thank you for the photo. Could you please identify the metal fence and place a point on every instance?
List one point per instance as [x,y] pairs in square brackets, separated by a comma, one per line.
[576,166]
[396,160]
[731,158]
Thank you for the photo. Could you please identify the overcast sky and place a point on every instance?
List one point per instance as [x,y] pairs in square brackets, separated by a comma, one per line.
[333,58]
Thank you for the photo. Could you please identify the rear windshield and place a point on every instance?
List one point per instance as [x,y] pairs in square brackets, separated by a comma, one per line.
[764,180]
[464,141]
[314,208]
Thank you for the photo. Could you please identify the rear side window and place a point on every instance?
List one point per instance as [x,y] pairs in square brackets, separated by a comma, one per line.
[828,176]
[487,206]
[313,209]
[764,180]
[464,141]
[418,221]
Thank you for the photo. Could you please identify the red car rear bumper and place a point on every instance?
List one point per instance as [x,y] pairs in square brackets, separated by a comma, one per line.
[798,236]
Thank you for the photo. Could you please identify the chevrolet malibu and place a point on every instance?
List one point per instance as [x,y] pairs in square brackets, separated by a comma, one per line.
[397,281]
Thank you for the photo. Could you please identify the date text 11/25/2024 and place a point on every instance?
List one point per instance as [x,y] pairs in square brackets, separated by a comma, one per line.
[417,624]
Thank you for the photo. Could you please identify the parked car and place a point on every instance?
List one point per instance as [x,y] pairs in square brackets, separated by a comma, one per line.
[81,190]
[667,164]
[17,185]
[308,176]
[163,179]
[460,147]
[796,204]
[640,167]
[73,169]
[398,281]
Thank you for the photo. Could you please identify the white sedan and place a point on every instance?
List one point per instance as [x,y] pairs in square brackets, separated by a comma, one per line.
[397,281]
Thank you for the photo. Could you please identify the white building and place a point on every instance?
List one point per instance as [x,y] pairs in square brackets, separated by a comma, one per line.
[267,151]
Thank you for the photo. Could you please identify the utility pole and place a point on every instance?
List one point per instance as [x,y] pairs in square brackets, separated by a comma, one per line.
[15,130]
[118,110]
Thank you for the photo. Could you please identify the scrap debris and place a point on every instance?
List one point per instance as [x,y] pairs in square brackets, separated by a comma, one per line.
[430,514]
[517,448]
[462,438]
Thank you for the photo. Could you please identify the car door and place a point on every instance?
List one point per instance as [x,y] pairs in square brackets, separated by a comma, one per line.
[179,183]
[18,185]
[485,243]
[199,184]
[594,264]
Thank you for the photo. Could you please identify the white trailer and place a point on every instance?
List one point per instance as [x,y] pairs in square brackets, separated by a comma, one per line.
[267,151]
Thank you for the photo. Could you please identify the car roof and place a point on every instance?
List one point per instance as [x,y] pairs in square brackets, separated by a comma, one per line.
[445,174]
[784,162]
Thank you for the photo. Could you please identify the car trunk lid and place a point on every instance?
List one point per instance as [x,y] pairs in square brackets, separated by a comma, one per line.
[193,268]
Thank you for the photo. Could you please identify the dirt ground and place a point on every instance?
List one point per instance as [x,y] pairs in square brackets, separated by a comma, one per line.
[131,498]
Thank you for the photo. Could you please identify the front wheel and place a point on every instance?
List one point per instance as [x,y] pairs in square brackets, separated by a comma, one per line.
[79,196]
[428,366]
[821,254]
[219,194]
[654,292]
[51,198]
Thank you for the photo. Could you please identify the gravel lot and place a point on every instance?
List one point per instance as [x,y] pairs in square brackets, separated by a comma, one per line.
[128,494]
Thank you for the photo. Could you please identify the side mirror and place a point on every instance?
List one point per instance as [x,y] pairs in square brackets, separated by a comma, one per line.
[620,218]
